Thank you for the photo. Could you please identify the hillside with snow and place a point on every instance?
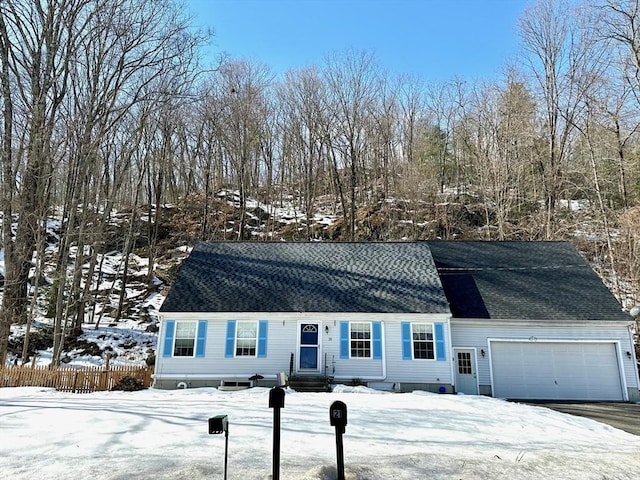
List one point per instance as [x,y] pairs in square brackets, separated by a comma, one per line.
[121,317]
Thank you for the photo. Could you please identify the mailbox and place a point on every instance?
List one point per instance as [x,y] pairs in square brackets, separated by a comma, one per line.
[338,414]
[218,424]
[276,401]
[338,419]
[276,398]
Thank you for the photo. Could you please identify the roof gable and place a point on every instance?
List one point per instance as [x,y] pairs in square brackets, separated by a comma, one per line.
[395,277]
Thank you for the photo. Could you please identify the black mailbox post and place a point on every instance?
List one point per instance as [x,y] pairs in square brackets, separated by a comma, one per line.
[276,401]
[338,419]
[217,425]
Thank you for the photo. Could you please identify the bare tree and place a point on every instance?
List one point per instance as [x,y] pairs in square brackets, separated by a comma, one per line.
[40,39]
[561,62]
[351,80]
[384,134]
[503,122]
[7,180]
[75,67]
[304,124]
[619,28]
[411,102]
[242,89]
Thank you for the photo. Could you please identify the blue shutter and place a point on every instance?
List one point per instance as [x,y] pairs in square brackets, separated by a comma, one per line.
[169,331]
[231,339]
[201,338]
[344,339]
[377,340]
[406,341]
[440,350]
[262,338]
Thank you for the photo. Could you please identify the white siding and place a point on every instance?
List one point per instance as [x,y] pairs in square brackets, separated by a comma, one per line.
[470,333]
[215,365]
[282,341]
[416,371]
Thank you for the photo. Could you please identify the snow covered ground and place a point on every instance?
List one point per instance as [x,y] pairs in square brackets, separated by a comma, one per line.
[157,434]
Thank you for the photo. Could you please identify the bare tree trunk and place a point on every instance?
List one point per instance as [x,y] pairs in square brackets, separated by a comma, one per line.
[7,186]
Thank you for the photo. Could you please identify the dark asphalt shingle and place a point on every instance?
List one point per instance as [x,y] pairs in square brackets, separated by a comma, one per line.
[522,280]
[474,279]
[397,277]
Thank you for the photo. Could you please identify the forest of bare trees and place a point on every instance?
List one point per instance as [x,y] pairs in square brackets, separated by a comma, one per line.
[107,107]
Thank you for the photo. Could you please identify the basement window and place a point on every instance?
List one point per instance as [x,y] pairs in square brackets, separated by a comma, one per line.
[233,385]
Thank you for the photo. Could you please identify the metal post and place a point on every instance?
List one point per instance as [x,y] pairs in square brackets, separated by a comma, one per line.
[275,474]
[226,451]
[218,425]
[338,419]
[340,453]
[276,401]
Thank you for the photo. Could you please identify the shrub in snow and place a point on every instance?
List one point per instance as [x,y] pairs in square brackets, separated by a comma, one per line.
[128,384]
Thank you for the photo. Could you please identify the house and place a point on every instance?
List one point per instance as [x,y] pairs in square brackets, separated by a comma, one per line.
[521,320]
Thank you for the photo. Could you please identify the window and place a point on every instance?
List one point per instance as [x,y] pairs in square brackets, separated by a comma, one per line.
[360,340]
[246,339]
[464,363]
[422,336]
[185,339]
[423,341]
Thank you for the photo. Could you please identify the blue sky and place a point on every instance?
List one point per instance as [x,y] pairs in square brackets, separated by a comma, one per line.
[435,39]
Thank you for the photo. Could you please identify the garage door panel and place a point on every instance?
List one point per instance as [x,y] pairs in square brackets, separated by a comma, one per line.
[556,371]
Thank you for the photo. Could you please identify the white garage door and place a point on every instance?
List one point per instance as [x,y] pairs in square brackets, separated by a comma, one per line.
[555,371]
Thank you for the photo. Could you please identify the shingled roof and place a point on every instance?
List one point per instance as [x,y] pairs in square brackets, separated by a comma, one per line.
[522,280]
[395,277]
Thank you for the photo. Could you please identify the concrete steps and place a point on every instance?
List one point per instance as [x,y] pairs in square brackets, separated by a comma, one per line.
[309,384]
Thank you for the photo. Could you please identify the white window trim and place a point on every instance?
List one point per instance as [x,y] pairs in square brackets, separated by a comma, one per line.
[235,340]
[175,339]
[433,341]
[370,340]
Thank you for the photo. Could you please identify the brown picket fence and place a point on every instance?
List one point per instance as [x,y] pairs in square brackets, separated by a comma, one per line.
[72,379]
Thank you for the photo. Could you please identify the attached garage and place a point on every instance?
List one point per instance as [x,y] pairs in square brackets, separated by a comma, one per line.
[556,370]
[540,320]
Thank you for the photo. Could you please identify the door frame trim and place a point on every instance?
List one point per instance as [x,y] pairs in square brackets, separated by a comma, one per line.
[299,345]
[474,351]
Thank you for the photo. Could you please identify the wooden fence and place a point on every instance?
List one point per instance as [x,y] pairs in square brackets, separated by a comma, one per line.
[72,379]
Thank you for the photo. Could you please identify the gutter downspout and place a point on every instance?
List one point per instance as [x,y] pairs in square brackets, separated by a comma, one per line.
[383,347]
[452,363]
[156,368]
[634,359]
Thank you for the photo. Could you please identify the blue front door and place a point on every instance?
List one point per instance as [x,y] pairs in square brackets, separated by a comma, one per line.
[309,346]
